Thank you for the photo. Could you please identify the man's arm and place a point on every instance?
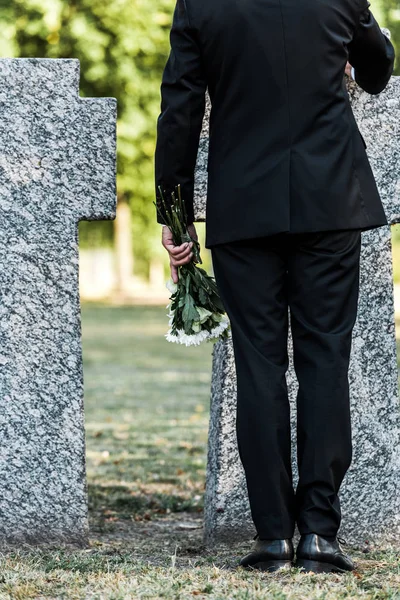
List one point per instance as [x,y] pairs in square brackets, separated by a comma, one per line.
[371,53]
[179,125]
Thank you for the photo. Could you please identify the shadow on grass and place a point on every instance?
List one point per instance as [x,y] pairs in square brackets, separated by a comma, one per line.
[108,503]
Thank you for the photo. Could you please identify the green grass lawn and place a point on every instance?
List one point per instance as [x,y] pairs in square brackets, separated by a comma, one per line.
[147,405]
[147,412]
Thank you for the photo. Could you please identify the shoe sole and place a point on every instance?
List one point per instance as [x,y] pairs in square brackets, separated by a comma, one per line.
[315,566]
[270,565]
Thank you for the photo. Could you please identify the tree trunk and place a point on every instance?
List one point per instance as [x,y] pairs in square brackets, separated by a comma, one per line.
[123,247]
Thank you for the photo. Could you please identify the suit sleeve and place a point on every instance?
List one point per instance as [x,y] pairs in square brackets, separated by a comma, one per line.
[183,91]
[371,53]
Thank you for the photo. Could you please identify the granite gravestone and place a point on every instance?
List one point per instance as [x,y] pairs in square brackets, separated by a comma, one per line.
[370,495]
[57,167]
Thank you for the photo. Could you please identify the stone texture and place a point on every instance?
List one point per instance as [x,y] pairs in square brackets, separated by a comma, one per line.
[57,166]
[200,184]
[370,494]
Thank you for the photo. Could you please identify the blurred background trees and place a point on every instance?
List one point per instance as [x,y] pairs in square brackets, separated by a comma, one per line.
[122,46]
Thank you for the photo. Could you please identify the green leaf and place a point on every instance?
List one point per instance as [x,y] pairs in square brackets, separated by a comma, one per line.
[190,313]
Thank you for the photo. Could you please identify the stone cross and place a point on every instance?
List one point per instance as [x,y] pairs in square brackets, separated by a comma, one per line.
[57,167]
[370,494]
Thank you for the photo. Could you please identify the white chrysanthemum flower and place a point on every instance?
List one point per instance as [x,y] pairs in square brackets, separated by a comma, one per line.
[224,324]
[197,338]
[171,286]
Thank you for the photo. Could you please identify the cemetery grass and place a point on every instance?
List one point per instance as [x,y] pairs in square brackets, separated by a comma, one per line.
[147,405]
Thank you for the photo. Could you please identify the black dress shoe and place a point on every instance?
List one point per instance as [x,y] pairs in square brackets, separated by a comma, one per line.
[318,555]
[269,555]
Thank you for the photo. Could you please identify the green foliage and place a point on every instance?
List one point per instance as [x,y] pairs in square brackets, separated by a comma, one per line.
[390,11]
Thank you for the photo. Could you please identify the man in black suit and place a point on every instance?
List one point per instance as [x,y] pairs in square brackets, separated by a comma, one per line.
[290,189]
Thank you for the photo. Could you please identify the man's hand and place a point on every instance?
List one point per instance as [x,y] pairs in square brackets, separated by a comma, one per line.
[348,69]
[179,255]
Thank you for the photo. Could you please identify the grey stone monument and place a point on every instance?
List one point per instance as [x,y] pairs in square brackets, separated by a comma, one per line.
[57,167]
[370,495]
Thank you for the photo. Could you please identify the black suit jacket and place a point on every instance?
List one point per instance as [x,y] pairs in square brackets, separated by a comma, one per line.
[285,151]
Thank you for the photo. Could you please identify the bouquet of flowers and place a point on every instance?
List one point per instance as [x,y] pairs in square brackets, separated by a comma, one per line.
[196,313]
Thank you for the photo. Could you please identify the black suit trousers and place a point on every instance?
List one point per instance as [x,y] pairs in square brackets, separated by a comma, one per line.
[312,281]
